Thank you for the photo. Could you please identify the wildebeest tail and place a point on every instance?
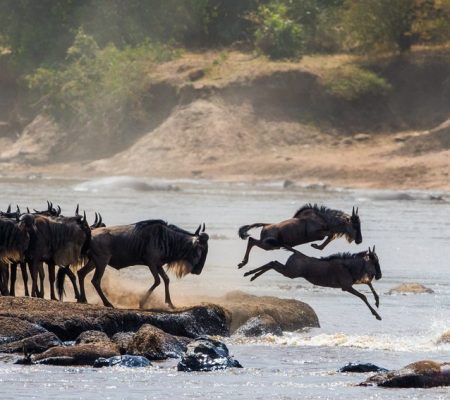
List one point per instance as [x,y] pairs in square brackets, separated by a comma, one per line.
[60,277]
[245,228]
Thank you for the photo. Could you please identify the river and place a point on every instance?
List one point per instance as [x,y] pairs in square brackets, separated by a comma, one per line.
[411,231]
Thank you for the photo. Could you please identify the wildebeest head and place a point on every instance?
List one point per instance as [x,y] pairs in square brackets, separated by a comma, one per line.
[354,228]
[375,263]
[199,250]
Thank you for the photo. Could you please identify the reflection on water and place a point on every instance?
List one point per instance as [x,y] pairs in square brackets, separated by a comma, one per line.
[411,233]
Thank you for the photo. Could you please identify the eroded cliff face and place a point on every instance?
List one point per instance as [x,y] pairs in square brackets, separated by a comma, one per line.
[263,121]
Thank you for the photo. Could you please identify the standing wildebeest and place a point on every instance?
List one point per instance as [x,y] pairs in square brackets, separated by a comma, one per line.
[14,242]
[310,223]
[342,270]
[153,243]
[56,241]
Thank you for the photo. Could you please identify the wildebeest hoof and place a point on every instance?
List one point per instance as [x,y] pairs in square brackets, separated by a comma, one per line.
[240,265]
[378,317]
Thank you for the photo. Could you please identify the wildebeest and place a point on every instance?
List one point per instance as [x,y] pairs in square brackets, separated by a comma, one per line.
[153,243]
[14,242]
[342,270]
[310,223]
[56,241]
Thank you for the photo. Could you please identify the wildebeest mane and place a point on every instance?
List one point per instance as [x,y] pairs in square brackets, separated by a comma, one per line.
[331,216]
[345,256]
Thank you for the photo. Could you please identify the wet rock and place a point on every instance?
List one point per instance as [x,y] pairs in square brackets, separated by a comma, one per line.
[123,340]
[155,344]
[123,361]
[289,314]
[259,326]
[410,288]
[15,329]
[444,339]
[69,320]
[83,354]
[32,345]
[421,374]
[92,337]
[205,354]
[362,368]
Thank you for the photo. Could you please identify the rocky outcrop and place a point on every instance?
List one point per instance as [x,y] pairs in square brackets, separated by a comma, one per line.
[22,336]
[206,354]
[289,314]
[410,288]
[83,354]
[68,320]
[259,326]
[421,374]
[155,344]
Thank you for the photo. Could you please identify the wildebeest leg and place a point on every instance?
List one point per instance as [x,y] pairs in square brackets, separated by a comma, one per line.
[73,279]
[13,277]
[364,299]
[261,270]
[375,294]
[51,278]
[325,243]
[41,291]
[81,275]
[4,278]
[97,280]
[266,244]
[34,277]
[166,280]
[154,271]
[23,269]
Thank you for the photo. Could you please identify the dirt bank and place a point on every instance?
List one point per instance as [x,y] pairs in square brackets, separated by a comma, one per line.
[239,117]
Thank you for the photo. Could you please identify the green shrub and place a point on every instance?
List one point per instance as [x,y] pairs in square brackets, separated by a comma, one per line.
[277,36]
[98,90]
[351,82]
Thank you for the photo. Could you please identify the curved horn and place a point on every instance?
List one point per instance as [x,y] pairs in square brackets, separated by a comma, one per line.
[96,219]
[49,206]
[198,230]
[203,227]
[353,211]
[77,210]
[84,216]
[357,208]
[373,251]
[28,210]
[17,209]
[58,211]
[9,209]
[99,219]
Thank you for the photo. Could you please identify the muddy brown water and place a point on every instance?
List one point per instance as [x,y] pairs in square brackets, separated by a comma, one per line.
[411,231]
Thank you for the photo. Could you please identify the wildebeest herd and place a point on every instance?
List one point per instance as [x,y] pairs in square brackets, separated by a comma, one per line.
[30,239]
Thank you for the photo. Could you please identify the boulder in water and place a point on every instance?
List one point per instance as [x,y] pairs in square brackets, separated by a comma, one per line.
[123,340]
[259,326]
[421,374]
[362,368]
[156,344]
[92,337]
[410,288]
[205,354]
[123,361]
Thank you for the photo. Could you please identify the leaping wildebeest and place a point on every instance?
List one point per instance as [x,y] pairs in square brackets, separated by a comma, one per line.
[342,270]
[310,223]
[153,243]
